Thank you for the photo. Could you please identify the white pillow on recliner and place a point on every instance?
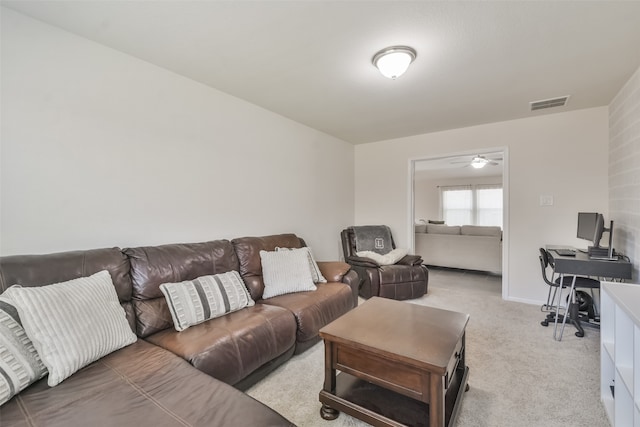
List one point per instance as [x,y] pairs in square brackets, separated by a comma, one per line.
[386,259]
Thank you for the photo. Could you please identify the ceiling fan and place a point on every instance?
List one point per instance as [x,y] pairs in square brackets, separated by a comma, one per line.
[478,162]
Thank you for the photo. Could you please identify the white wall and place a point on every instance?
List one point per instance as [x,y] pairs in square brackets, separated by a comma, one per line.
[563,155]
[624,170]
[102,149]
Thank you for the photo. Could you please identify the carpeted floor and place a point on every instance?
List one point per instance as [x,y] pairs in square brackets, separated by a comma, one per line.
[519,376]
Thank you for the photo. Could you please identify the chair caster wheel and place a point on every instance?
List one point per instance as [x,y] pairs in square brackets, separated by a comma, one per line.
[544,323]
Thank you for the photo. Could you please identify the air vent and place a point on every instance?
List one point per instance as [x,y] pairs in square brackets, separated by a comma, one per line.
[549,103]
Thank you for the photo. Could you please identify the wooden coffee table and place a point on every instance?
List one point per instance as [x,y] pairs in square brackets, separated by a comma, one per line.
[400,364]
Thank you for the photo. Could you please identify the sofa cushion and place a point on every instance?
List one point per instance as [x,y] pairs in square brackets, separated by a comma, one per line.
[248,251]
[152,266]
[140,385]
[313,310]
[285,272]
[481,230]
[20,364]
[231,347]
[198,300]
[73,323]
[420,228]
[443,229]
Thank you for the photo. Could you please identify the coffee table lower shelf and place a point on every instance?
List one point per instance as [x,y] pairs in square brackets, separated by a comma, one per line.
[379,406]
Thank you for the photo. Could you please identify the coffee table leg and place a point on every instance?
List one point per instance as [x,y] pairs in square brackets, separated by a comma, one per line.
[328,413]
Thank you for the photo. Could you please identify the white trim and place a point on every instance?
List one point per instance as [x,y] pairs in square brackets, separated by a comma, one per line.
[524,301]
[411,211]
[505,224]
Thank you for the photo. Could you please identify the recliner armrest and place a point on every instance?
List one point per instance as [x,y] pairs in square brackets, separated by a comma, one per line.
[410,260]
[362,261]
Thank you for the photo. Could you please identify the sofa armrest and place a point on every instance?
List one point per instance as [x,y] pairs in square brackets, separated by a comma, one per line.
[333,271]
[336,271]
[353,280]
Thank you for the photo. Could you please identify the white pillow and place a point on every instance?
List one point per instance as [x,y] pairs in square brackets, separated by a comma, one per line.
[285,272]
[386,259]
[74,323]
[198,300]
[316,275]
[20,364]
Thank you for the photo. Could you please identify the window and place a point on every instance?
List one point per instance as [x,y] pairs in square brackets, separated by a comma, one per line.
[457,205]
[472,205]
[489,205]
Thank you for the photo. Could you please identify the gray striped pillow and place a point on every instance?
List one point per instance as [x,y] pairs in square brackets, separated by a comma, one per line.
[73,323]
[196,301]
[20,364]
[285,272]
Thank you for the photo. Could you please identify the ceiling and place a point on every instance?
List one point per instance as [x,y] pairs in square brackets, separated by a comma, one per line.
[478,62]
[458,166]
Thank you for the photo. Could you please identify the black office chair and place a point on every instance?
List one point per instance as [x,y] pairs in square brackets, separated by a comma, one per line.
[576,302]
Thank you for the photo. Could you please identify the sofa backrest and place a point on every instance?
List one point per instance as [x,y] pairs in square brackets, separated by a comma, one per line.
[39,270]
[465,230]
[443,229]
[248,251]
[481,230]
[152,266]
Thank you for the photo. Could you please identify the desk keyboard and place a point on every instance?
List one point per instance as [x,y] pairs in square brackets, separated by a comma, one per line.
[565,252]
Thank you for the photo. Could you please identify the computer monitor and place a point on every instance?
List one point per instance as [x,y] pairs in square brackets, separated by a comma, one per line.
[587,224]
[591,227]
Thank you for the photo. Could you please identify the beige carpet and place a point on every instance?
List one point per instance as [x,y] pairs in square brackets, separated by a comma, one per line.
[519,376]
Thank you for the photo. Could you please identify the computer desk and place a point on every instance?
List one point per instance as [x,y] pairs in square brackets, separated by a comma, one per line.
[582,265]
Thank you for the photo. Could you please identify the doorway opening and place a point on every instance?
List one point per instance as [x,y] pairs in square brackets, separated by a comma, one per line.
[450,192]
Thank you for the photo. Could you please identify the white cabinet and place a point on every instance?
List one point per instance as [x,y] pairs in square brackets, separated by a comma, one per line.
[620,353]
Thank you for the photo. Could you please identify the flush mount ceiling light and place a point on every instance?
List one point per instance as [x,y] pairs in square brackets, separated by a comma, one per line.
[394,61]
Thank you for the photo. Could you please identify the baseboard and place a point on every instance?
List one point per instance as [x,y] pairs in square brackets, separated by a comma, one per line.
[524,300]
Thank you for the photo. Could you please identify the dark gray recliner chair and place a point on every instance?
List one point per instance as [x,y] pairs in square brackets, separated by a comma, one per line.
[406,279]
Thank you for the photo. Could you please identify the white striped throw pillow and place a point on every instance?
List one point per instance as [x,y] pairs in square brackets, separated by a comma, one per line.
[73,323]
[195,301]
[285,272]
[316,274]
[20,364]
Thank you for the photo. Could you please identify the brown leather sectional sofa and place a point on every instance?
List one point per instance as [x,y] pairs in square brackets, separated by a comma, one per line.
[188,378]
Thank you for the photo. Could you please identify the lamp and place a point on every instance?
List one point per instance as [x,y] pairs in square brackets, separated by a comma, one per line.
[479,162]
[393,61]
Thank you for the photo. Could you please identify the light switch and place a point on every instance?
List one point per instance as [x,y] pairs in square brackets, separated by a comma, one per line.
[546,200]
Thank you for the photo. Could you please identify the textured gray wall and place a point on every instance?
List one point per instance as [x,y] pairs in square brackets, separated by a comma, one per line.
[624,170]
